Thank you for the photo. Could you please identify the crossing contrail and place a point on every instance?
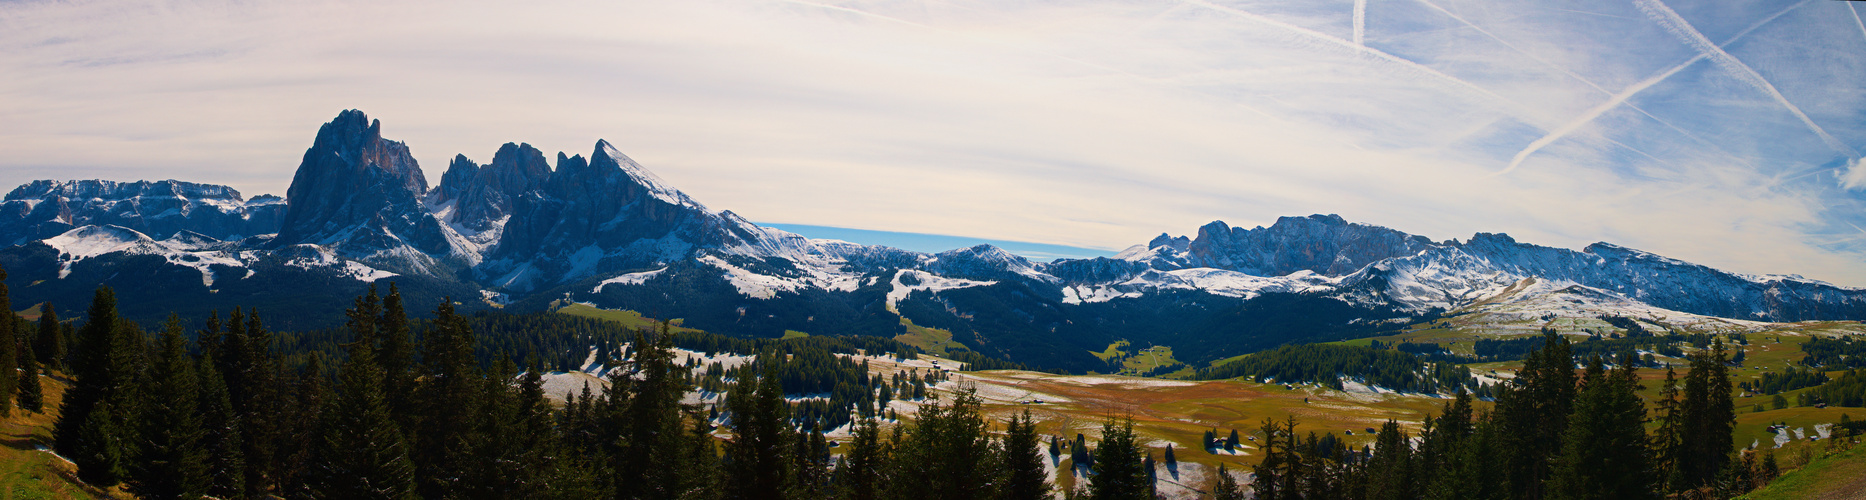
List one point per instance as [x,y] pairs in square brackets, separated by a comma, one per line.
[1620,98]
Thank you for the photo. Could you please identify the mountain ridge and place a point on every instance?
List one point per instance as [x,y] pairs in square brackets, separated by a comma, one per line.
[605,230]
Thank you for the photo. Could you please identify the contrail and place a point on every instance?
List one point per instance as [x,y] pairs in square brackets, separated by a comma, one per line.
[1628,93]
[1360,22]
[1577,77]
[1479,93]
[1683,29]
[1856,19]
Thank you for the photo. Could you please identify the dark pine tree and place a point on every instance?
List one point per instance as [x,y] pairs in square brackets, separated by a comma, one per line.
[1120,471]
[362,455]
[242,351]
[31,391]
[226,464]
[1390,471]
[9,351]
[1025,477]
[947,454]
[757,464]
[1667,440]
[49,344]
[1708,418]
[298,438]
[860,472]
[170,460]
[1535,414]
[1226,487]
[451,393]
[1604,451]
[90,428]
[397,349]
[651,437]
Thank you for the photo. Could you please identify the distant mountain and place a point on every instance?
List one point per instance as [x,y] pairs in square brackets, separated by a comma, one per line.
[526,233]
[42,209]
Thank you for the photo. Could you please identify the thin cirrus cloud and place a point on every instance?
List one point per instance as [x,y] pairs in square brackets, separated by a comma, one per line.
[1723,133]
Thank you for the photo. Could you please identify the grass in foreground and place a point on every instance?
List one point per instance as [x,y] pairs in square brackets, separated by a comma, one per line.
[1836,477]
[27,473]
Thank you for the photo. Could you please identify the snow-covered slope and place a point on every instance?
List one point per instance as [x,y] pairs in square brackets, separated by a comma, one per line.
[586,228]
[46,208]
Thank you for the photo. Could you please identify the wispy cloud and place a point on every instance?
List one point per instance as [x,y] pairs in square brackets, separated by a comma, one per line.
[1094,124]
[1854,175]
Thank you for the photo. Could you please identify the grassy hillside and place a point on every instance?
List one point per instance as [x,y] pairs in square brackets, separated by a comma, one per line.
[1841,476]
[29,473]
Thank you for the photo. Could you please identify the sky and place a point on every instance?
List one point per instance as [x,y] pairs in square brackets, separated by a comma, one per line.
[1726,133]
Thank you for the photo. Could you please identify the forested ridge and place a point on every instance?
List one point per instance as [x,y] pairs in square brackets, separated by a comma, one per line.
[454,407]
[1551,434]
[407,410]
[1328,364]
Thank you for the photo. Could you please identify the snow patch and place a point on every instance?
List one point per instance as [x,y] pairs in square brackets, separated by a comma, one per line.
[927,281]
[629,279]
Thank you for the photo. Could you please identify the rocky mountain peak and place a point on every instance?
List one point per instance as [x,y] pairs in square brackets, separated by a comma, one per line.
[1175,242]
[482,197]
[1324,244]
[359,192]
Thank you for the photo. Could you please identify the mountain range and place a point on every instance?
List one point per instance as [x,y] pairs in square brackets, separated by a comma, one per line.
[525,232]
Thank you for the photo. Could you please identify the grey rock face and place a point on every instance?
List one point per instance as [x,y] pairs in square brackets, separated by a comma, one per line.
[1325,244]
[605,213]
[1672,284]
[483,196]
[45,208]
[360,193]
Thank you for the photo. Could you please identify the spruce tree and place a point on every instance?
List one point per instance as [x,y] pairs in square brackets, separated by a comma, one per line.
[90,429]
[1707,420]
[1025,477]
[1267,475]
[757,464]
[397,348]
[647,464]
[226,464]
[49,345]
[250,383]
[861,468]
[1535,414]
[170,460]
[536,432]
[1120,472]
[948,453]
[1668,438]
[362,455]
[31,392]
[452,395]
[9,351]
[501,435]
[104,452]
[1604,450]
[1226,487]
[1390,471]
[700,474]
[298,438]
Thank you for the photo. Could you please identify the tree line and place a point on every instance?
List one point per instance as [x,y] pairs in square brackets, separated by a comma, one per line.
[1327,363]
[405,414]
[1551,434]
